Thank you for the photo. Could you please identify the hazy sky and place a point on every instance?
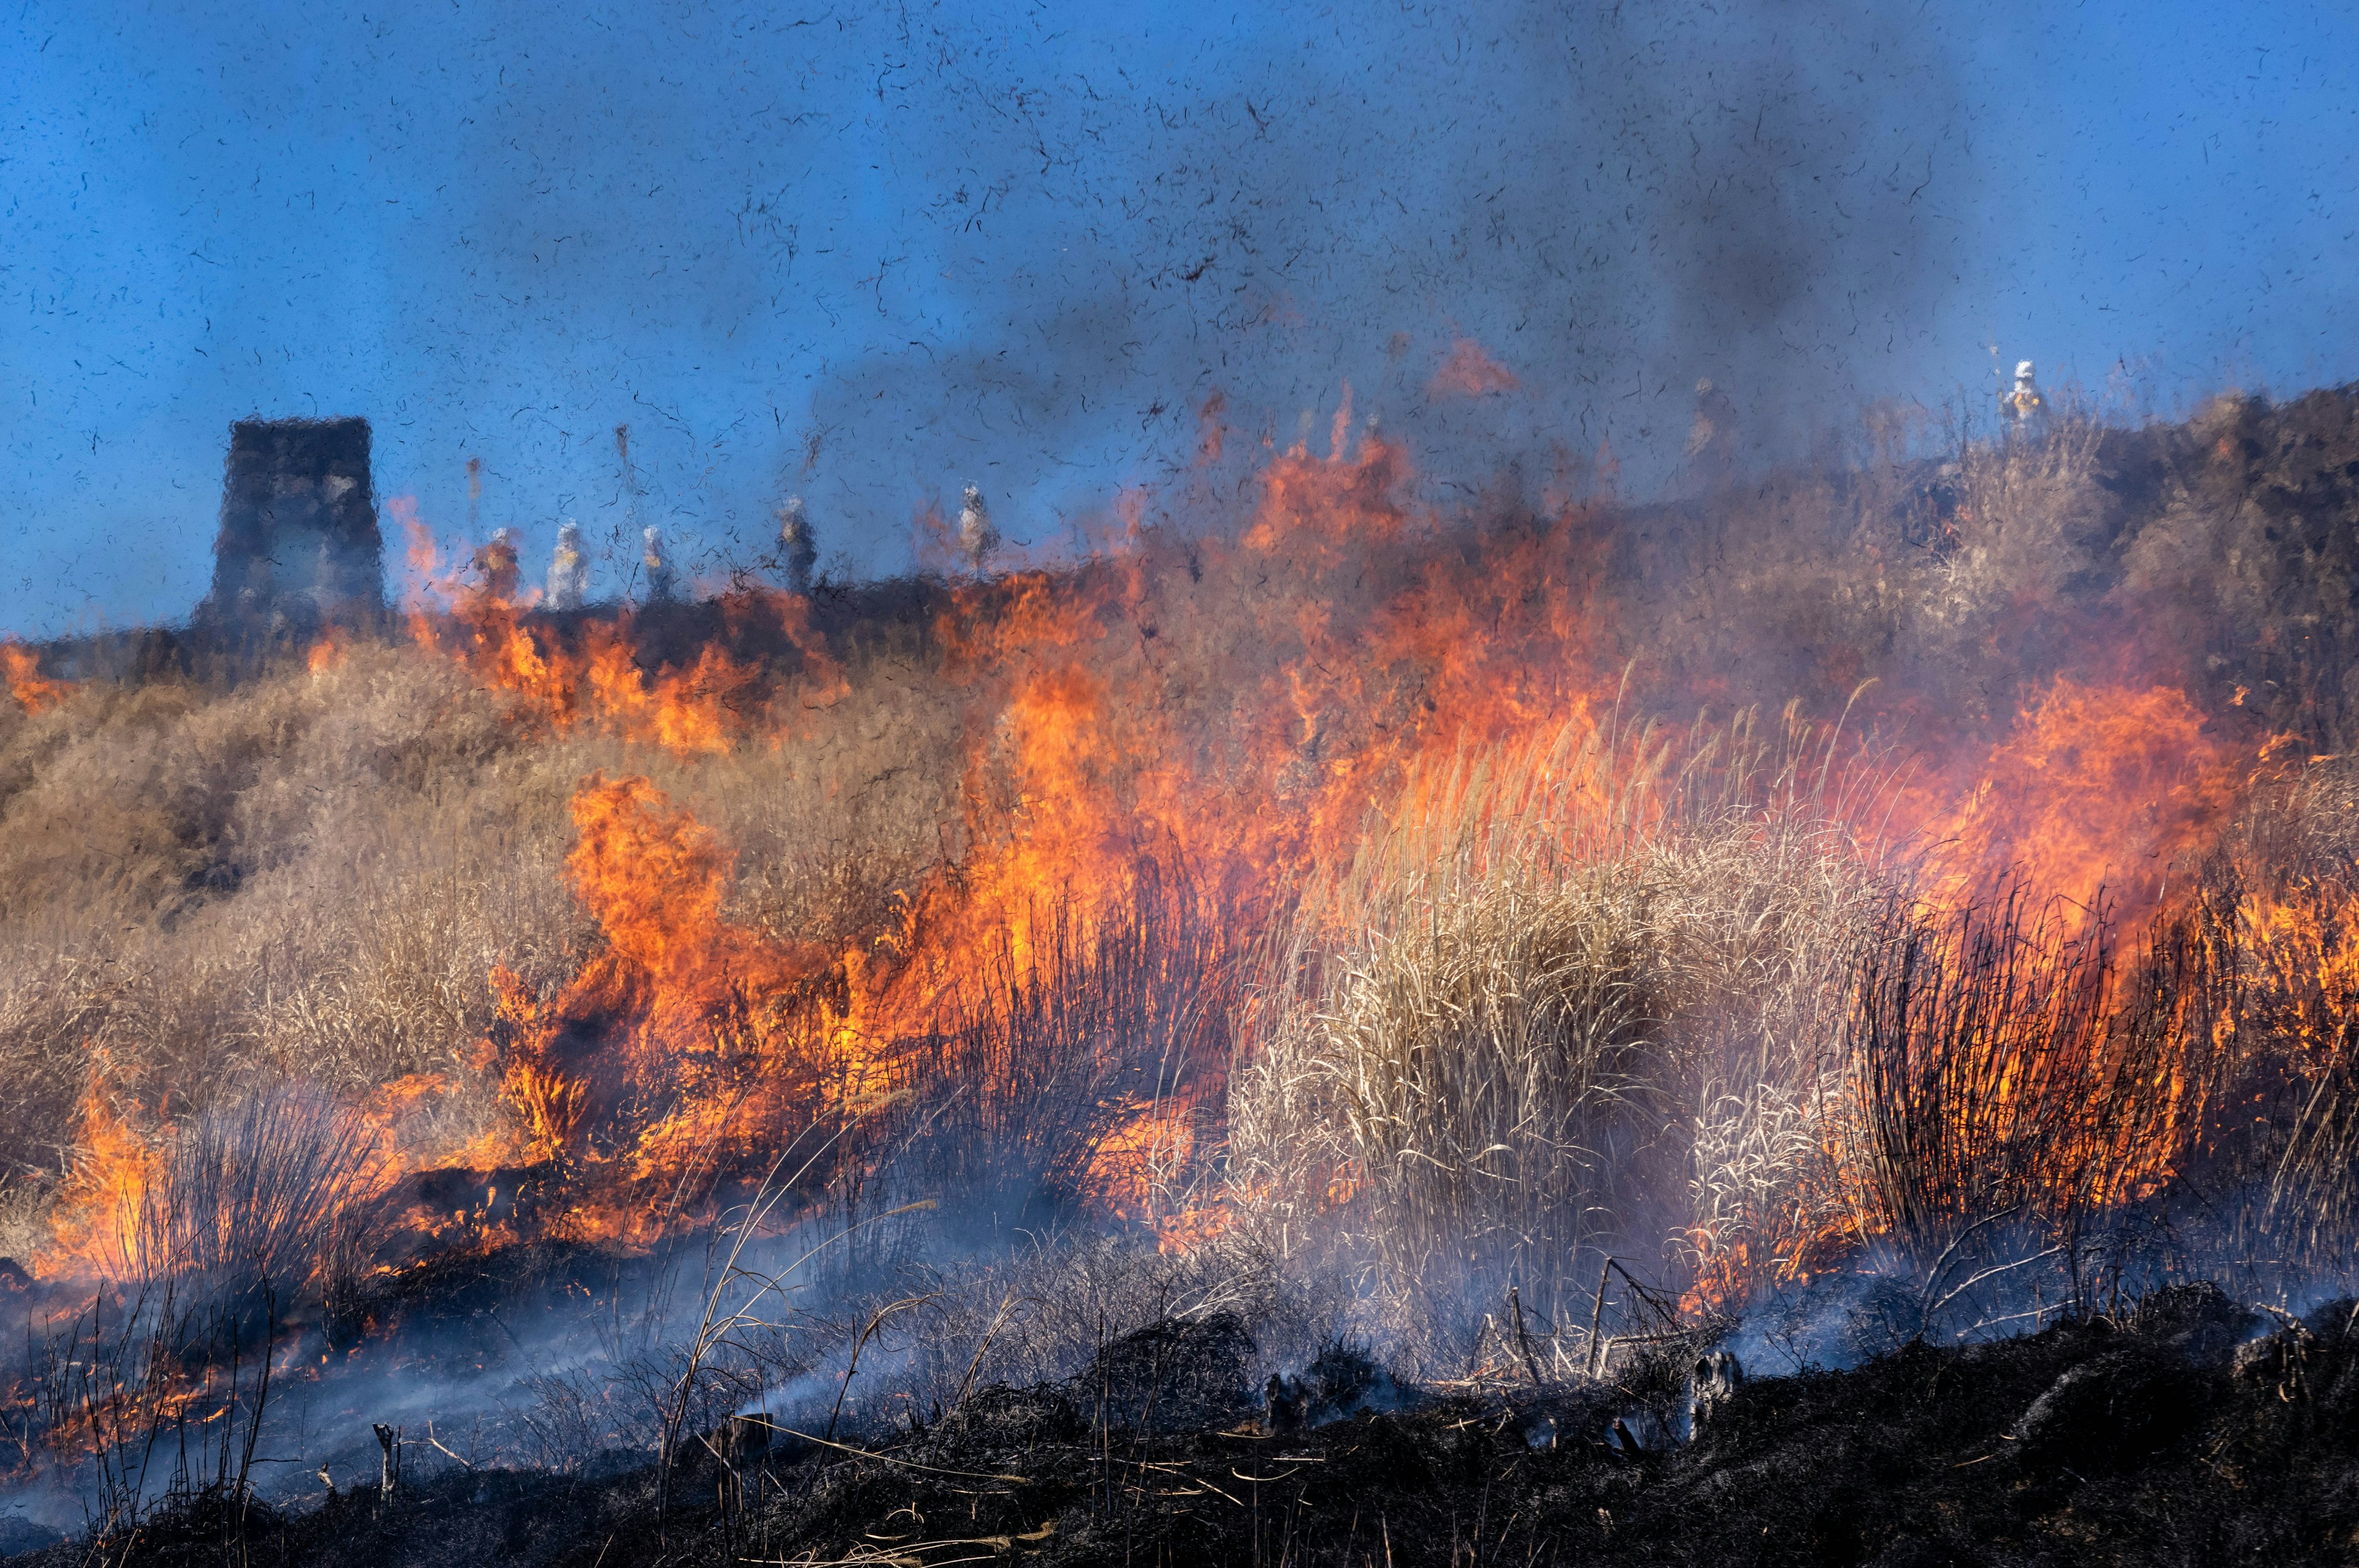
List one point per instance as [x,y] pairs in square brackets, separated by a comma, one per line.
[868,254]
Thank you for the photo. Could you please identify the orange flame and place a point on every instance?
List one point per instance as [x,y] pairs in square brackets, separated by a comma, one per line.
[1469,372]
[112,1168]
[2096,786]
[21,668]
[476,615]
[678,1043]
[1231,706]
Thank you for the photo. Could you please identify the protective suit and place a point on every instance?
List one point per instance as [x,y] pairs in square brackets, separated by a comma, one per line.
[798,546]
[568,569]
[663,582]
[497,562]
[976,536]
[2022,405]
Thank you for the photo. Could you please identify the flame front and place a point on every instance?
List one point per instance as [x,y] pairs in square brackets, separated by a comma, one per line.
[1171,743]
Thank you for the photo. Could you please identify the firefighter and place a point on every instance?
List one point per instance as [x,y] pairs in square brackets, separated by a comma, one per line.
[1712,437]
[2024,406]
[976,536]
[497,564]
[798,546]
[663,582]
[568,569]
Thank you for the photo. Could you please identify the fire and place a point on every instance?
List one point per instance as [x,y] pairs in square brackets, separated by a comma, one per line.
[473,614]
[1221,714]
[2307,940]
[684,1040]
[549,1103]
[1232,707]
[21,669]
[1141,1162]
[90,1223]
[2095,787]
[1469,372]
[1147,712]
[1251,701]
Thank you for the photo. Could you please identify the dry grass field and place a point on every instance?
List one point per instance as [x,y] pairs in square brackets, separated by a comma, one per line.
[1360,919]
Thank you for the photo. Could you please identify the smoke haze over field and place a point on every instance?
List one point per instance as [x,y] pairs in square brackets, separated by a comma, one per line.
[869,255]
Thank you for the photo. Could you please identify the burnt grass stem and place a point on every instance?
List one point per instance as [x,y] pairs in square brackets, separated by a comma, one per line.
[2189,1429]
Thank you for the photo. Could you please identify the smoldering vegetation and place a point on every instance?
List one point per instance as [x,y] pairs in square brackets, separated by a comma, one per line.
[2140,1440]
[1346,1171]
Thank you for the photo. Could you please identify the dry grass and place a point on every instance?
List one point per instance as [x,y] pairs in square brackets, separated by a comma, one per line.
[1588,995]
[1993,1071]
[312,876]
[2281,901]
[1096,1020]
[252,1194]
[1569,1001]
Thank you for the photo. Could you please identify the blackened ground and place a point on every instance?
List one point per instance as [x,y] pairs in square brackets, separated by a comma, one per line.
[2192,1433]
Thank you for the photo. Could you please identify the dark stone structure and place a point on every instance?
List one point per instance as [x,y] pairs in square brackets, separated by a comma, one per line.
[299,541]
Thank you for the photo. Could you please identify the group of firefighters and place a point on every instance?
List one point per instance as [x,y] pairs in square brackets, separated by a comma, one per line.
[1711,453]
[501,573]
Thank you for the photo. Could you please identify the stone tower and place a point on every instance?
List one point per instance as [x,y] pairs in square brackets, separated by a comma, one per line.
[299,541]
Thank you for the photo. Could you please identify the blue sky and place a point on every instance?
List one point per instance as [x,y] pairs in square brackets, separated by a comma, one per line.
[868,254]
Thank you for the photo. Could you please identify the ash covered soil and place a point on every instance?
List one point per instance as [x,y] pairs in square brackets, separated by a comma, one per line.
[2190,1430]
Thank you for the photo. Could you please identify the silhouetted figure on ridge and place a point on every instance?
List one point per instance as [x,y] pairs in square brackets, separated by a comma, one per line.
[568,569]
[798,546]
[663,582]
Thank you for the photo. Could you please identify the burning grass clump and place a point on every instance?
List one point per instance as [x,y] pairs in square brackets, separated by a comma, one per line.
[314,872]
[1559,993]
[1975,1041]
[1072,1071]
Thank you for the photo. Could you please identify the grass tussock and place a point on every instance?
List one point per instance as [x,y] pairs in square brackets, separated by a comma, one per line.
[1567,1002]
[263,1192]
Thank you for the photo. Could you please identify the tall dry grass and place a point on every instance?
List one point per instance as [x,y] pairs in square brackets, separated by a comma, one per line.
[252,1194]
[2281,897]
[312,875]
[1581,996]
[1100,1023]
[1568,1000]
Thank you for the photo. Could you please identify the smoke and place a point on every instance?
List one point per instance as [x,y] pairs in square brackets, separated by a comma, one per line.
[873,258]
[1603,208]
